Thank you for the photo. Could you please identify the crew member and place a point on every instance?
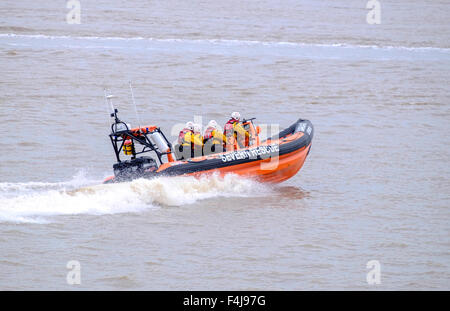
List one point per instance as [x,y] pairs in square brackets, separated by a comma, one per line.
[189,127]
[184,141]
[197,141]
[213,139]
[235,132]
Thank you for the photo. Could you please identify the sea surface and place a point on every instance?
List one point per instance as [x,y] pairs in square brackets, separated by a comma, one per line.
[375,186]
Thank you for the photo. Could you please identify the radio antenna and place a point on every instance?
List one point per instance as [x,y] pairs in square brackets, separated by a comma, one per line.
[135,107]
[109,104]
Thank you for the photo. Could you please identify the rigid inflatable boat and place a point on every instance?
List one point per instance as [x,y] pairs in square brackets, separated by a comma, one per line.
[272,160]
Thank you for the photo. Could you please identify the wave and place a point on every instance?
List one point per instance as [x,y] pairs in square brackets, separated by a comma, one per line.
[230,42]
[78,180]
[15,28]
[35,202]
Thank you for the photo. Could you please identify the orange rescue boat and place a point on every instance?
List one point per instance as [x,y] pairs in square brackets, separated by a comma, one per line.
[271,160]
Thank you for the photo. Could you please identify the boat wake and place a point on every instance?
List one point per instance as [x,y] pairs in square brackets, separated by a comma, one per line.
[36,202]
[331,50]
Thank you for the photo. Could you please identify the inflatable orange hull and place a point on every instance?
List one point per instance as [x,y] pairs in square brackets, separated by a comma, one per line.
[273,160]
[267,170]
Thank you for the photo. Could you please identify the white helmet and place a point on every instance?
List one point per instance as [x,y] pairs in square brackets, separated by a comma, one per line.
[212,123]
[236,115]
[190,125]
[197,128]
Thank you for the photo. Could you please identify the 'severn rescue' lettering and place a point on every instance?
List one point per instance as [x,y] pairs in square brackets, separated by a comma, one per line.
[265,151]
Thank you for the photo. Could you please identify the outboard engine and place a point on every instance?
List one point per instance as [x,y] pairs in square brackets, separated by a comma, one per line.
[135,168]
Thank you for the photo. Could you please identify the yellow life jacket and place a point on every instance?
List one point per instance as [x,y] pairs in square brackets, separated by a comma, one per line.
[187,139]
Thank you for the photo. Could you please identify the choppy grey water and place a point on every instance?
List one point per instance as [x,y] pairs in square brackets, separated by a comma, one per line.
[374,187]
